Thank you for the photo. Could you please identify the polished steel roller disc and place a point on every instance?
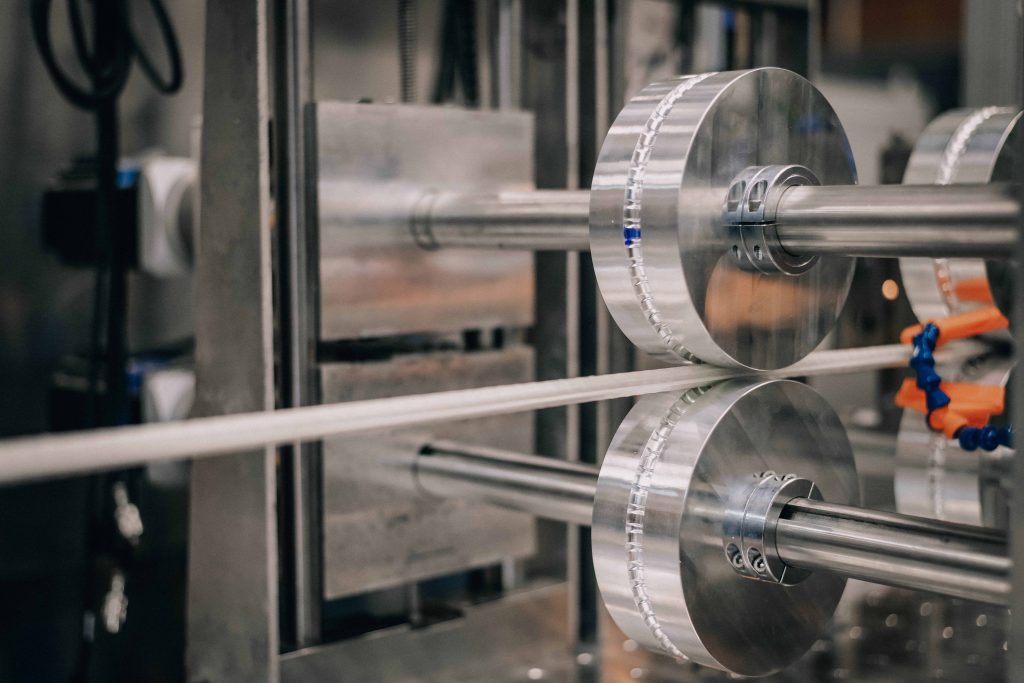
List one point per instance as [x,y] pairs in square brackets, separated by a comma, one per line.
[677,466]
[960,146]
[936,478]
[664,258]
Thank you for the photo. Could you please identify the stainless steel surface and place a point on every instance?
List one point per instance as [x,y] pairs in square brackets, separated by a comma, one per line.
[977,220]
[750,212]
[371,500]
[52,455]
[960,146]
[748,533]
[513,639]
[965,220]
[666,483]
[232,606]
[936,478]
[375,164]
[951,559]
[544,487]
[542,220]
[665,167]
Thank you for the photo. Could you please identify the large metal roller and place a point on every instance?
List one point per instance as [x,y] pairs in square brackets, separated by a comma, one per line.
[679,469]
[959,147]
[723,210]
[667,264]
[722,522]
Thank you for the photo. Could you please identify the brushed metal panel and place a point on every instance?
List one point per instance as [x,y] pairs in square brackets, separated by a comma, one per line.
[374,164]
[378,534]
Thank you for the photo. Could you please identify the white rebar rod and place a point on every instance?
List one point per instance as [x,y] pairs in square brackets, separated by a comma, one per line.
[38,457]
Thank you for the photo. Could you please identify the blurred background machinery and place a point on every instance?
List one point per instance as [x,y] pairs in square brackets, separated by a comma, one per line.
[406,202]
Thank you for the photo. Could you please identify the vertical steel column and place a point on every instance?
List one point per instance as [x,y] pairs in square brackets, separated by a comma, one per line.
[300,511]
[549,90]
[594,328]
[577,542]
[508,54]
[232,592]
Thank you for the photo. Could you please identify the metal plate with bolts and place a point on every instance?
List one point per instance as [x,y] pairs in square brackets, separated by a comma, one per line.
[936,478]
[676,466]
[961,146]
[660,185]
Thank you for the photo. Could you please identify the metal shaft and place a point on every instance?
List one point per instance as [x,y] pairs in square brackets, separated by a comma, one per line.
[545,487]
[900,220]
[887,548]
[74,452]
[556,220]
[897,550]
[968,220]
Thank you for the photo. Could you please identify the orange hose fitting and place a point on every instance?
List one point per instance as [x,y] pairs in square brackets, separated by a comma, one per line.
[969,404]
[962,325]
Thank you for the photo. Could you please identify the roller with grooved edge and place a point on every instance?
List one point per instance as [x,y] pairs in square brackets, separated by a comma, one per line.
[725,522]
[724,215]
[724,212]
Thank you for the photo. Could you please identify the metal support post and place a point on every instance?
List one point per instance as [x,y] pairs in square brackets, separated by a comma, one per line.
[232,631]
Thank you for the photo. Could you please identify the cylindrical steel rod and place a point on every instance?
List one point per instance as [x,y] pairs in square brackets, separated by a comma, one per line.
[887,548]
[967,220]
[556,220]
[896,550]
[545,487]
[74,452]
[900,220]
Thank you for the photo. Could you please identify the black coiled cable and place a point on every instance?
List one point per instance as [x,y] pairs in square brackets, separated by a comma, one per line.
[107,67]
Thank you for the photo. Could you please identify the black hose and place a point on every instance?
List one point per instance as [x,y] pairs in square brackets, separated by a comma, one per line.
[107,76]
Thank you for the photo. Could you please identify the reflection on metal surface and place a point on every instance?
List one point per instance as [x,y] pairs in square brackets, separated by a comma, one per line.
[702,607]
[975,219]
[376,164]
[370,493]
[950,559]
[721,124]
